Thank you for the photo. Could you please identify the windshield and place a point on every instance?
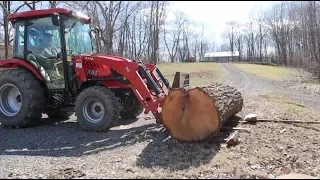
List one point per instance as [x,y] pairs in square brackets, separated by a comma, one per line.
[78,38]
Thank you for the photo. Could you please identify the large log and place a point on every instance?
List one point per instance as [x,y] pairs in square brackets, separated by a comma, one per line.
[194,114]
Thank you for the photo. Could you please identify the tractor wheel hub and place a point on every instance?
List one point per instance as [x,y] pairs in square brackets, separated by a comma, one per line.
[93,110]
[10,100]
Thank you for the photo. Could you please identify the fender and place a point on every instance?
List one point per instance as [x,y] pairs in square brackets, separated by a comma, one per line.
[13,63]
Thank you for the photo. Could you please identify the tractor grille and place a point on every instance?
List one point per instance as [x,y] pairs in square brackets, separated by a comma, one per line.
[93,65]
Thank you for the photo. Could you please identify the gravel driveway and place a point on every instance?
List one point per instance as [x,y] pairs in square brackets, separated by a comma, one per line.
[249,84]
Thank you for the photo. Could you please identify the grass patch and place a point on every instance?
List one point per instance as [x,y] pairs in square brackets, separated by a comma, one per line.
[200,73]
[269,72]
[263,63]
[287,108]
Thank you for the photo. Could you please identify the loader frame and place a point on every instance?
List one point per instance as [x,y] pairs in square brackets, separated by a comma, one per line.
[145,80]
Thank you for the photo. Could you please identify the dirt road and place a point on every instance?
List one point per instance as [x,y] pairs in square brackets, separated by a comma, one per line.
[249,84]
[140,148]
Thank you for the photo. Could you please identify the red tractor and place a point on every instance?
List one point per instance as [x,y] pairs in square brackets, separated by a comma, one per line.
[55,70]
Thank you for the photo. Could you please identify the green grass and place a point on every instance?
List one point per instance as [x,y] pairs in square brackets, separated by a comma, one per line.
[200,73]
[269,72]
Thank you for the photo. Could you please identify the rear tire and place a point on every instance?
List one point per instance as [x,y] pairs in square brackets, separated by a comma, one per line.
[22,99]
[97,109]
[132,109]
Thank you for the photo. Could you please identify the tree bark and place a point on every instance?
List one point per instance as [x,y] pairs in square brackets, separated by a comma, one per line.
[195,114]
[6,27]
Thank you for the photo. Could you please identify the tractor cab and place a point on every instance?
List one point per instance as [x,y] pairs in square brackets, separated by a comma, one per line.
[48,39]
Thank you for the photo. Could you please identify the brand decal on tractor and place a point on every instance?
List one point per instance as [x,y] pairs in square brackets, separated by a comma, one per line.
[88,58]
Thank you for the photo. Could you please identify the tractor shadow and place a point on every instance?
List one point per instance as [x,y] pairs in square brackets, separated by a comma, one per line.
[68,139]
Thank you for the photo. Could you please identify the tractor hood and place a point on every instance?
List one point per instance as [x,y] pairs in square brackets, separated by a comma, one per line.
[104,56]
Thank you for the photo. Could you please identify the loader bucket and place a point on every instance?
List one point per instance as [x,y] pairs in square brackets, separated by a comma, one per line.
[181,80]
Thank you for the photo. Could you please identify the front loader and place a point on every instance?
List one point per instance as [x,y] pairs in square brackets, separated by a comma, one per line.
[70,77]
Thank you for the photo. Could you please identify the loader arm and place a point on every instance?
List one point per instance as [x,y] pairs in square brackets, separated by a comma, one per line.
[135,72]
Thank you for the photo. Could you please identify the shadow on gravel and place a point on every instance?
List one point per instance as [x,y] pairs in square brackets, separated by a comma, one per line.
[168,153]
[65,139]
[68,139]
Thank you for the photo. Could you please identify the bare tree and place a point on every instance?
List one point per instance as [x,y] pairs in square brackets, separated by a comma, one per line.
[175,34]
[7,8]
[231,36]
[239,39]
[183,47]
[203,43]
[53,4]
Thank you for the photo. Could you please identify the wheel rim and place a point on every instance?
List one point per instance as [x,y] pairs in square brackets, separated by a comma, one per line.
[93,110]
[10,100]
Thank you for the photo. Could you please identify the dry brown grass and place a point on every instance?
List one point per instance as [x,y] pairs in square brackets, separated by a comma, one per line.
[269,72]
[200,73]
[290,109]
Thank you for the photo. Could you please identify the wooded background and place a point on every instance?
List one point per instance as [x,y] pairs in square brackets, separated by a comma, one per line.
[288,31]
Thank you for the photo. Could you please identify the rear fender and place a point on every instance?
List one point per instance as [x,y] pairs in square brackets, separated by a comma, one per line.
[14,63]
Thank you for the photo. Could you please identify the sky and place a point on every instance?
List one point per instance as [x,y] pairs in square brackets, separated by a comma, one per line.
[215,14]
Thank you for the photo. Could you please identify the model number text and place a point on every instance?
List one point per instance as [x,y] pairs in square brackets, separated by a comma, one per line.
[92,72]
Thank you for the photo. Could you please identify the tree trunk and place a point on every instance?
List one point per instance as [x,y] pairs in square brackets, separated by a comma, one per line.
[6,28]
[196,114]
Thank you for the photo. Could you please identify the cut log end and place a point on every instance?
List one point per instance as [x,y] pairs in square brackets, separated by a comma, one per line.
[190,115]
[198,113]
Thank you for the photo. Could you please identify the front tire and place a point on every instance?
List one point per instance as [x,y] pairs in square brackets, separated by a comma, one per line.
[97,109]
[22,98]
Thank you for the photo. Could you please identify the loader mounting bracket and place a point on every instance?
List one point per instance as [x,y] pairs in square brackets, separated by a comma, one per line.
[177,80]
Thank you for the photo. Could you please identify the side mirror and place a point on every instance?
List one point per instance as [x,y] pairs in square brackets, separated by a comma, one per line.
[55,19]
